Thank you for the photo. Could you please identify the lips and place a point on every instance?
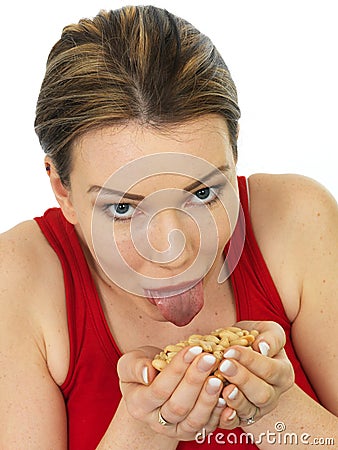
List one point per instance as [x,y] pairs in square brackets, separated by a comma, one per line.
[169,291]
[178,304]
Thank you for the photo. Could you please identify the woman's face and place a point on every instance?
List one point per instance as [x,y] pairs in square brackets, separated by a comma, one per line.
[152,207]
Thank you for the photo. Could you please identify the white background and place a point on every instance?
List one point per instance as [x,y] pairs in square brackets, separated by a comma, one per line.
[282,55]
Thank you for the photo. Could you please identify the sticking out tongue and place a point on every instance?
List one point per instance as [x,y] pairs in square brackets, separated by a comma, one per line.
[180,309]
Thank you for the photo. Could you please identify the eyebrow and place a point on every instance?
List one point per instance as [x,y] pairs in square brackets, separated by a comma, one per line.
[106,191]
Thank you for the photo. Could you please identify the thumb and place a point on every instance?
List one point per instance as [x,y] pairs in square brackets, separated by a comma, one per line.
[271,338]
[135,366]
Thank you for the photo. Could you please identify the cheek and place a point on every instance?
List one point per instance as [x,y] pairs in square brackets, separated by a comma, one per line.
[114,248]
[128,252]
[223,228]
[227,212]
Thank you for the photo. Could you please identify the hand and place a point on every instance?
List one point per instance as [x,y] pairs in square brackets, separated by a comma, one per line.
[257,380]
[184,392]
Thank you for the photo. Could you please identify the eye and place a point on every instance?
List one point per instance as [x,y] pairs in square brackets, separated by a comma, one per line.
[119,211]
[202,194]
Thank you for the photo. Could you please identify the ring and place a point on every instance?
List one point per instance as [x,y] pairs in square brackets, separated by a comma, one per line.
[161,420]
[250,420]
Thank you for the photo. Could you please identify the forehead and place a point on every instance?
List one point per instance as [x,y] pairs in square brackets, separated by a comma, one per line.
[102,152]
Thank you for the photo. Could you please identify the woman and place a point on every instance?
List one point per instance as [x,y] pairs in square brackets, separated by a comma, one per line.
[157,238]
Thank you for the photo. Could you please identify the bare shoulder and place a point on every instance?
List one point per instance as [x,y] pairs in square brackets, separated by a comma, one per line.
[27,261]
[21,249]
[32,405]
[31,289]
[289,212]
[290,193]
[291,203]
[296,223]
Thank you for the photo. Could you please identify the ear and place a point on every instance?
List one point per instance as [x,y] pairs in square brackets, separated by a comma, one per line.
[61,192]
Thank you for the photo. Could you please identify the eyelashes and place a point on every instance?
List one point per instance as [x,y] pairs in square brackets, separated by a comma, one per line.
[119,211]
[124,211]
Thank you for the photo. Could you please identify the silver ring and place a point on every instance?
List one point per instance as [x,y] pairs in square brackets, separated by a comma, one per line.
[161,420]
[250,420]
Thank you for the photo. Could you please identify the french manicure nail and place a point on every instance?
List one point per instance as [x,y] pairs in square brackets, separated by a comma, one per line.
[264,348]
[228,368]
[233,393]
[213,385]
[221,402]
[206,362]
[231,354]
[192,353]
[232,415]
[145,376]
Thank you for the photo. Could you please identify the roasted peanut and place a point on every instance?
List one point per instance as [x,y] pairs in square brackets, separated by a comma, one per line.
[215,342]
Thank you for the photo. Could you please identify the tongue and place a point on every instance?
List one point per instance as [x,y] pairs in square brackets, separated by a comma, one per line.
[180,309]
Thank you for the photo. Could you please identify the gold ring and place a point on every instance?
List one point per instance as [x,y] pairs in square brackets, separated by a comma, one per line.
[161,420]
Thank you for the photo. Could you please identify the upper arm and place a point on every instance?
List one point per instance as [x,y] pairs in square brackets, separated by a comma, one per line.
[32,408]
[314,328]
[295,221]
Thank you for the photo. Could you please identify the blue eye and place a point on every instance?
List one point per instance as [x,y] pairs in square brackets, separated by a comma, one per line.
[119,211]
[203,194]
[121,208]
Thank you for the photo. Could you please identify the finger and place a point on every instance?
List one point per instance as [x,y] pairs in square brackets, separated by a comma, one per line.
[271,338]
[164,384]
[214,419]
[237,401]
[276,371]
[215,416]
[229,419]
[194,387]
[136,367]
[201,411]
[193,432]
[143,400]
[256,390]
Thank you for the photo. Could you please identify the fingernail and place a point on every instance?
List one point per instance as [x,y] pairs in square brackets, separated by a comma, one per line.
[192,353]
[264,348]
[206,362]
[213,385]
[231,354]
[233,393]
[221,402]
[145,376]
[232,415]
[228,368]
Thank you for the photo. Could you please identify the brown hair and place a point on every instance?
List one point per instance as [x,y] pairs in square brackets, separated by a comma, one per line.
[137,63]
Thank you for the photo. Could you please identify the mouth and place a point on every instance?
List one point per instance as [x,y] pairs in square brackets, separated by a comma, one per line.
[178,304]
[169,291]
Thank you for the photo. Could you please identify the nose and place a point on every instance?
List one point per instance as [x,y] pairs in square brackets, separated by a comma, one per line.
[171,237]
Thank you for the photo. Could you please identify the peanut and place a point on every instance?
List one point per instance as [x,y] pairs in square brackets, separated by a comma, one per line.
[215,342]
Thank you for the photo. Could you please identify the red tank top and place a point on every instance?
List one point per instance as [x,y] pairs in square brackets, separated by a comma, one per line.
[91,389]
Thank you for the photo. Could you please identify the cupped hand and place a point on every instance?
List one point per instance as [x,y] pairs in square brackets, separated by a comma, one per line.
[257,376]
[184,393]
[189,399]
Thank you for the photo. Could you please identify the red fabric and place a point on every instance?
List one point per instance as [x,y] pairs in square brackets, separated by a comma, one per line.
[91,389]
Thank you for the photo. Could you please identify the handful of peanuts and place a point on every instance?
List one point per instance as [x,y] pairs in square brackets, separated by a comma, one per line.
[217,342]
